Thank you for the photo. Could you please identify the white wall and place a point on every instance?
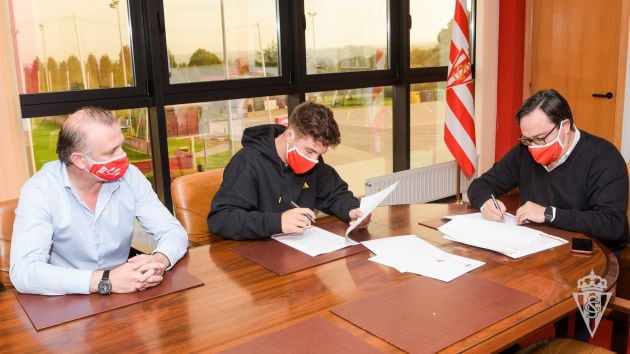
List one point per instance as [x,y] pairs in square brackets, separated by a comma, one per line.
[13,168]
[486,73]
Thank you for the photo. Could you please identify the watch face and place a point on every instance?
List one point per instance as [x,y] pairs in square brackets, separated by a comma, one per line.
[548,214]
[105,287]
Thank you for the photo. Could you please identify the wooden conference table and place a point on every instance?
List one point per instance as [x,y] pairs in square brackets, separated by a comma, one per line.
[242,300]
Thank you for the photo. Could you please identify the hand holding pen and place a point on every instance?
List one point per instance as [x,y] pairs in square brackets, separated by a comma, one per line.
[297,219]
[493,209]
[309,216]
[496,205]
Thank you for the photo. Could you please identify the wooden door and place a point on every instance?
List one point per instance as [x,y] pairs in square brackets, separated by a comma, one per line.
[575,50]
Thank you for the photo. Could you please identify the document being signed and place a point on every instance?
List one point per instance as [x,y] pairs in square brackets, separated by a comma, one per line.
[506,237]
[314,241]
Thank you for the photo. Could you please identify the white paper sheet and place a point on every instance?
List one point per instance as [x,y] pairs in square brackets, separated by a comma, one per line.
[314,241]
[504,237]
[412,254]
[368,204]
[508,219]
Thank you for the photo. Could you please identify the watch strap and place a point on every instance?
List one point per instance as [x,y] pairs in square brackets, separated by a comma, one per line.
[105,275]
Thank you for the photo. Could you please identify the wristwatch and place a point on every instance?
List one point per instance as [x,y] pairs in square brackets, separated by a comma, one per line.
[549,214]
[105,285]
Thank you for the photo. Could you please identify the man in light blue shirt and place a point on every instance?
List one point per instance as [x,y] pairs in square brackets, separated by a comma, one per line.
[75,217]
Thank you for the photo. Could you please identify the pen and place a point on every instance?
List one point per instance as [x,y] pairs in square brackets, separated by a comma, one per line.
[496,205]
[307,215]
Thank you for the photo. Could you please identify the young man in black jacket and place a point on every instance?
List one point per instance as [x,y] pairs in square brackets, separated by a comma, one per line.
[566,177]
[278,169]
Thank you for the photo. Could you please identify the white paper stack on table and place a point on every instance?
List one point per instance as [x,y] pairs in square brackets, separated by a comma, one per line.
[506,237]
[414,255]
[314,241]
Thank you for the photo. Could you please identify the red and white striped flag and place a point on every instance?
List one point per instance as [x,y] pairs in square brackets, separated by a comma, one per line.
[459,126]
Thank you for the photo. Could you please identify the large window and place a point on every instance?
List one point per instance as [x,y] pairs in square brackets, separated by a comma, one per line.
[430,34]
[205,135]
[42,134]
[72,45]
[364,117]
[427,111]
[343,36]
[186,77]
[221,40]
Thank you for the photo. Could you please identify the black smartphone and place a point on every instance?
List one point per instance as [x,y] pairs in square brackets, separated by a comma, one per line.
[582,245]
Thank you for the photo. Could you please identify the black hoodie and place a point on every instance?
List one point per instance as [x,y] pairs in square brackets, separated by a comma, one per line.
[257,187]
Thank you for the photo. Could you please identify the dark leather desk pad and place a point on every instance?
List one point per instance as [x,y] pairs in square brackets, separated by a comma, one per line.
[434,223]
[47,311]
[424,315]
[315,335]
[282,259]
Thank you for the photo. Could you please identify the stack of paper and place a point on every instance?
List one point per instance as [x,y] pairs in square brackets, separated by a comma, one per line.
[506,237]
[412,254]
[314,241]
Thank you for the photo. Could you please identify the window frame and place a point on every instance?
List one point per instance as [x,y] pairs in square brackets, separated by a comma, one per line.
[154,91]
[55,103]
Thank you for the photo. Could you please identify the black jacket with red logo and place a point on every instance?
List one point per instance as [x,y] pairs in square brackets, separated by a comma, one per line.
[257,187]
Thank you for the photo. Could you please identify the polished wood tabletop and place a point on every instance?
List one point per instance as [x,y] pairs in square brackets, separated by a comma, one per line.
[242,300]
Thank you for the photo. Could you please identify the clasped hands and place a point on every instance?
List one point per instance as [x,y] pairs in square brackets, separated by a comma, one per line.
[527,212]
[298,219]
[140,272]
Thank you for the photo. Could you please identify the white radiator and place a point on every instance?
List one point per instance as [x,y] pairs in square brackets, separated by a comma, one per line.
[419,185]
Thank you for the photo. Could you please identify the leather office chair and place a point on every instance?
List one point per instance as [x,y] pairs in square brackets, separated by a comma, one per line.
[192,195]
[7,216]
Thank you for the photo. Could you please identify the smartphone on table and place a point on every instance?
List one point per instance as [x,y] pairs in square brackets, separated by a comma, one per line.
[582,245]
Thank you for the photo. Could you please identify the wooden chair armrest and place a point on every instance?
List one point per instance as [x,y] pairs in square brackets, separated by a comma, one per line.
[620,305]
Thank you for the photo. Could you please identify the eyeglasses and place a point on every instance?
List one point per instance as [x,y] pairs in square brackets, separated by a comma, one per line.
[536,141]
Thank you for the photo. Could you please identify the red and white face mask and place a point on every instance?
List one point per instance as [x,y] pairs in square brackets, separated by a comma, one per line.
[548,153]
[299,162]
[110,170]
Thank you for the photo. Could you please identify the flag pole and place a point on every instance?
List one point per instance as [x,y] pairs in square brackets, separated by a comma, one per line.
[458,195]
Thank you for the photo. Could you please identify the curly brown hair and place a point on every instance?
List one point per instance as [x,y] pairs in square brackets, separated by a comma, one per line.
[317,121]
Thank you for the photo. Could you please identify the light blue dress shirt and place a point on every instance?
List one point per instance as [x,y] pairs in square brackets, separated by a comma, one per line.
[58,241]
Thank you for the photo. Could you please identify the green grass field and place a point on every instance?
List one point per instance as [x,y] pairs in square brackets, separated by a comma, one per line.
[45,132]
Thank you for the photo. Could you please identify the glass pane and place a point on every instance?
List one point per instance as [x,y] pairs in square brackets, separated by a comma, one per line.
[42,132]
[344,36]
[430,34]
[221,40]
[69,45]
[427,110]
[202,136]
[364,117]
